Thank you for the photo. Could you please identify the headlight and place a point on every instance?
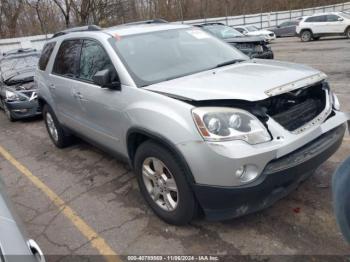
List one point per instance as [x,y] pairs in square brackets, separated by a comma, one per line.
[334,101]
[226,124]
[11,96]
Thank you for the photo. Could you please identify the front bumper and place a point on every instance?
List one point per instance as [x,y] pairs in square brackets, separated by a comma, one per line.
[280,177]
[23,109]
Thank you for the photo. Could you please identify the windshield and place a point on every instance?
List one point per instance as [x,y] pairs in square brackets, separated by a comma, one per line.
[252,28]
[11,66]
[222,31]
[164,55]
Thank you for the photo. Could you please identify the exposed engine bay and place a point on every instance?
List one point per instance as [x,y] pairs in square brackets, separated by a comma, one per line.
[292,110]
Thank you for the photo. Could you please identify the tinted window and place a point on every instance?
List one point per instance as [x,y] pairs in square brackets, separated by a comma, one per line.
[45,55]
[316,19]
[66,59]
[93,59]
[285,24]
[332,18]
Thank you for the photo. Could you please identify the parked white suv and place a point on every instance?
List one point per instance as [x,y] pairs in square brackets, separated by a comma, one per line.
[327,24]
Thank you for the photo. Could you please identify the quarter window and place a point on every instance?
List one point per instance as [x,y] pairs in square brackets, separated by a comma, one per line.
[66,59]
[45,55]
[93,59]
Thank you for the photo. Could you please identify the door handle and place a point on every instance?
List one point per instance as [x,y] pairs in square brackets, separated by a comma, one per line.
[52,86]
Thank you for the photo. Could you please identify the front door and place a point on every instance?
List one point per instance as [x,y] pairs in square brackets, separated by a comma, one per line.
[101,107]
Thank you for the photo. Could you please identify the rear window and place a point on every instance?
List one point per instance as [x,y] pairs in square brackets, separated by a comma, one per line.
[66,59]
[321,18]
[45,55]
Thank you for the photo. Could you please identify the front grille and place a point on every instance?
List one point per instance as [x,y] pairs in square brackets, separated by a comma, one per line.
[299,114]
[298,110]
[245,46]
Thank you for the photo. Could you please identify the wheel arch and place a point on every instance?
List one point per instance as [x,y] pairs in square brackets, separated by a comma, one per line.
[306,29]
[137,135]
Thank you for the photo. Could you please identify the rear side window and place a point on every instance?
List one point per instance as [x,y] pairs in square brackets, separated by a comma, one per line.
[93,58]
[67,58]
[45,55]
[316,19]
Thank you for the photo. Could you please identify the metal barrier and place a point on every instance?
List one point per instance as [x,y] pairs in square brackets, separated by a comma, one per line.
[266,20]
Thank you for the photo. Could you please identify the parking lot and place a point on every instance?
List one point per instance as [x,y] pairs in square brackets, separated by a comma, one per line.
[103,195]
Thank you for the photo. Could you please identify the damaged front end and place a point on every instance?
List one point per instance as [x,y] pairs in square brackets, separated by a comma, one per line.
[21,100]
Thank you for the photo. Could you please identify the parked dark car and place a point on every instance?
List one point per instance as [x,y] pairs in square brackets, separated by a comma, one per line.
[252,46]
[285,29]
[18,96]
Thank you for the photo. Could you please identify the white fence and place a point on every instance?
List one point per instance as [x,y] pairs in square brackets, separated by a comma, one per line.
[264,20]
[36,42]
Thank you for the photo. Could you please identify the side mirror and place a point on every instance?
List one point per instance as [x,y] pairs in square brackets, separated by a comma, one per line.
[278,26]
[105,79]
[340,19]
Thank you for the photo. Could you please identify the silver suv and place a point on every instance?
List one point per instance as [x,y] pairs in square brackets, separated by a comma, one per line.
[206,130]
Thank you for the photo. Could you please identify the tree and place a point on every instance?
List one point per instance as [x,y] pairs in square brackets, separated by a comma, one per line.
[65,7]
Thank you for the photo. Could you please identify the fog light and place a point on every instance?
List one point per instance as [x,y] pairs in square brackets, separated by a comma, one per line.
[247,173]
[240,172]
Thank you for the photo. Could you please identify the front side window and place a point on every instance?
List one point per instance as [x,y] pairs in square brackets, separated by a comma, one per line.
[332,18]
[45,55]
[93,58]
[66,59]
[164,55]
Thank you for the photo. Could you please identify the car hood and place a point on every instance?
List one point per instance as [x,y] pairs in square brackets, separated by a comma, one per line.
[260,32]
[18,76]
[245,39]
[252,80]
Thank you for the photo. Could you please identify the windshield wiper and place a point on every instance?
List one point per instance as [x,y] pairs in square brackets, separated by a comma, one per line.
[231,62]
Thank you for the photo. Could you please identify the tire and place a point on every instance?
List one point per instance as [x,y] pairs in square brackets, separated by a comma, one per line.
[306,36]
[341,195]
[182,206]
[8,113]
[57,134]
[347,32]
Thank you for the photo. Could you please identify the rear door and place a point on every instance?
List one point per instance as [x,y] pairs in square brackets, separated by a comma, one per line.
[63,81]
[318,24]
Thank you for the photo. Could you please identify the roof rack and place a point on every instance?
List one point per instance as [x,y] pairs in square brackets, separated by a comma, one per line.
[152,21]
[213,23]
[77,29]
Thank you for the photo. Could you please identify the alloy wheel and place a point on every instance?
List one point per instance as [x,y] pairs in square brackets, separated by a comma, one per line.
[160,184]
[306,36]
[51,126]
